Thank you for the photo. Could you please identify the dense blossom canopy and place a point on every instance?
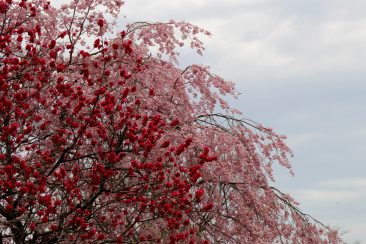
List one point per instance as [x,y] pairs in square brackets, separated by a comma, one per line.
[104,139]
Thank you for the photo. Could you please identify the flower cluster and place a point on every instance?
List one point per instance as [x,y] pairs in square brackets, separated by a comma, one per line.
[104,142]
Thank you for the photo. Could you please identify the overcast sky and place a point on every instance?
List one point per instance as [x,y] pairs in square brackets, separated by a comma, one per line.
[300,66]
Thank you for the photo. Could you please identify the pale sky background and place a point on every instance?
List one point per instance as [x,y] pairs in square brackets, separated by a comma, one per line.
[300,66]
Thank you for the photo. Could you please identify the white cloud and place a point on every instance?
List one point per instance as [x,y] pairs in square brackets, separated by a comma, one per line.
[322,196]
[304,139]
[352,184]
[340,202]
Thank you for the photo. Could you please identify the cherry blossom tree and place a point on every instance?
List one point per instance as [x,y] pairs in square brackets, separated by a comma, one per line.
[104,139]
